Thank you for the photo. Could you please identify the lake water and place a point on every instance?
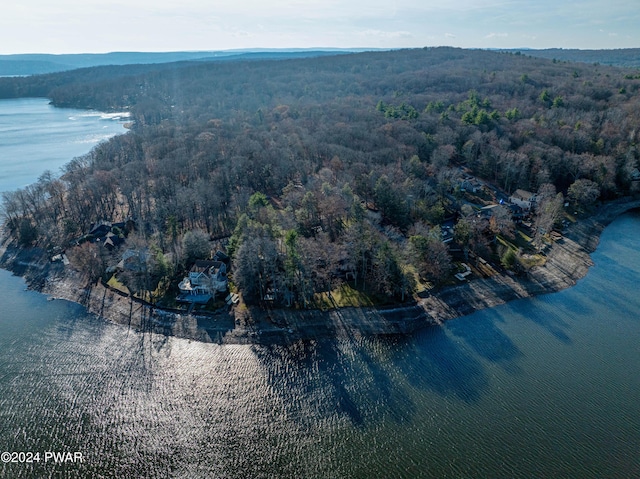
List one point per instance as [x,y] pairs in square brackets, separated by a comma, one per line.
[35,136]
[547,387]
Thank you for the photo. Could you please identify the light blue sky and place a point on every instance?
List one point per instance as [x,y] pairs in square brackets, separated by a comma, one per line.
[74,26]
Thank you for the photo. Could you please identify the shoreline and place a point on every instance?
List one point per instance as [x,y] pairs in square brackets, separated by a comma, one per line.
[568,260]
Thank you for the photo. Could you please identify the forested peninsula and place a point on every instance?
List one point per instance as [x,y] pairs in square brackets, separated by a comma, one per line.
[375,191]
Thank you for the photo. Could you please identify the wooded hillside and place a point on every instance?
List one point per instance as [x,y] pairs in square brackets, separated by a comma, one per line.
[368,170]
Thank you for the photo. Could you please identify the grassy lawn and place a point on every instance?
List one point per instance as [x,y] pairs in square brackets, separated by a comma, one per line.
[523,236]
[114,283]
[505,242]
[421,284]
[529,261]
[343,296]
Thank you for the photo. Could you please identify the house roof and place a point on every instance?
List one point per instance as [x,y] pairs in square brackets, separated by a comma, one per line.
[220,256]
[200,266]
[133,260]
[100,229]
[203,266]
[523,195]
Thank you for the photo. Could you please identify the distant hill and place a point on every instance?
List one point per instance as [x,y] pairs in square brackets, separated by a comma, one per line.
[625,57]
[39,63]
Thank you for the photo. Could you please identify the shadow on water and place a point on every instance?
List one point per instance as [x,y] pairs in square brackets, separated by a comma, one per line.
[373,381]
[334,377]
[483,336]
[616,288]
[610,296]
[314,375]
[546,317]
[433,361]
[399,406]
[214,329]
[139,358]
[70,318]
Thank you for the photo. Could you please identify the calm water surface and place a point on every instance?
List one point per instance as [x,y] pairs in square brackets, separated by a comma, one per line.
[35,136]
[539,388]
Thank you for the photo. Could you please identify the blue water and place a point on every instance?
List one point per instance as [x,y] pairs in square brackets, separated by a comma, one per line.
[35,136]
[539,388]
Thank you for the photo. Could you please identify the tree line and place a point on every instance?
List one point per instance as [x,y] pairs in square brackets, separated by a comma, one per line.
[333,170]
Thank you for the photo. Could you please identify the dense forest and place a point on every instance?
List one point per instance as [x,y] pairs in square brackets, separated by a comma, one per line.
[379,173]
[622,57]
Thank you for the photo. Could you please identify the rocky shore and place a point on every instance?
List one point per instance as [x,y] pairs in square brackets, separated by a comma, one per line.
[567,261]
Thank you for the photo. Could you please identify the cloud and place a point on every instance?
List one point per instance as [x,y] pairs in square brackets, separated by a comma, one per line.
[69,25]
[494,35]
[385,34]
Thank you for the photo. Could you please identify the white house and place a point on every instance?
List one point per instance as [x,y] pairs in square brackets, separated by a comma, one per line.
[205,279]
[524,199]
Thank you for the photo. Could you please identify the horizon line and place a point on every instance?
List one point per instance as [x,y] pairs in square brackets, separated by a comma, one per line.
[310,49]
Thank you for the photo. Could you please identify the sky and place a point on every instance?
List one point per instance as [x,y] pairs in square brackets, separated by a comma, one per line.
[100,26]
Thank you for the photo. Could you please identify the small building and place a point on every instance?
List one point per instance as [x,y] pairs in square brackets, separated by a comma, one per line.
[470,184]
[134,260]
[524,199]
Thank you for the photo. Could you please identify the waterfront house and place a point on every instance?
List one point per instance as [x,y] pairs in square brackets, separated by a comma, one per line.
[524,199]
[205,279]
